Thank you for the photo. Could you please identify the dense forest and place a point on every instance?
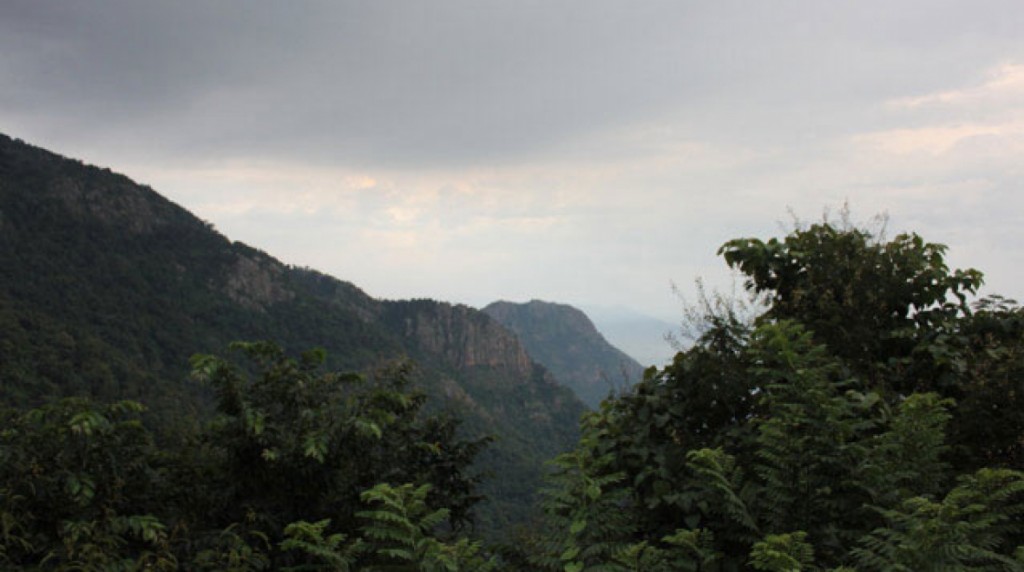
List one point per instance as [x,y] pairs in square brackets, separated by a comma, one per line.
[864,412]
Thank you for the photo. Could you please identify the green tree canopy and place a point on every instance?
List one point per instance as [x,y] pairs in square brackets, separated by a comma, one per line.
[279,478]
[869,419]
[867,299]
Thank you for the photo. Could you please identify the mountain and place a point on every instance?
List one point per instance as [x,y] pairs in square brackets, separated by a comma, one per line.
[565,341]
[107,288]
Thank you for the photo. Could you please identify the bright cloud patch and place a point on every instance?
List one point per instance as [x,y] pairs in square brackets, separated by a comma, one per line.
[940,140]
[1004,81]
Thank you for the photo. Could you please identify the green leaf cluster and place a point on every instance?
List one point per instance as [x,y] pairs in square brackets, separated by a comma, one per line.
[868,419]
[285,476]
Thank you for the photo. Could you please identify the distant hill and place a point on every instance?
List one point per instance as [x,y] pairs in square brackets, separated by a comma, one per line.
[565,341]
[639,335]
[107,288]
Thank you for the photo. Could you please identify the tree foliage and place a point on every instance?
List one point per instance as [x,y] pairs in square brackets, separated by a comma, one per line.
[280,478]
[867,419]
[74,489]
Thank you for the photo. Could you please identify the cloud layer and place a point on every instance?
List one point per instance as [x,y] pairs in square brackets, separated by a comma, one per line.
[585,152]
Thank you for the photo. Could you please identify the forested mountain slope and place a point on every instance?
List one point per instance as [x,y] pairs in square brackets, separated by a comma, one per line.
[565,341]
[107,289]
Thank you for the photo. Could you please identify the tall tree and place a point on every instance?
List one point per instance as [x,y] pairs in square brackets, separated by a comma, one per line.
[869,300]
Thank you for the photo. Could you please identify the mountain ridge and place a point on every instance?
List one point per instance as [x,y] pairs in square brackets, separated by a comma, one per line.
[107,288]
[564,339]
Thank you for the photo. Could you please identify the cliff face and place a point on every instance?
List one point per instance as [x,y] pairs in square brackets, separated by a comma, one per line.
[565,341]
[496,375]
[256,282]
[463,336]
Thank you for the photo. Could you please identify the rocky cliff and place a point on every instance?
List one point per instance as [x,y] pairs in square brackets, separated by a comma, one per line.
[463,336]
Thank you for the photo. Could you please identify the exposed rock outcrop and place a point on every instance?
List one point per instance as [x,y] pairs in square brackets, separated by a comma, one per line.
[464,336]
[256,281]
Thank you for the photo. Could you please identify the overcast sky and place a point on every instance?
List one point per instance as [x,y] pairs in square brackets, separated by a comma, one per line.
[588,152]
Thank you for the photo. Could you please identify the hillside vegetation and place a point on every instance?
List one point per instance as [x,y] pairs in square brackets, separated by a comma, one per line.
[870,418]
[107,289]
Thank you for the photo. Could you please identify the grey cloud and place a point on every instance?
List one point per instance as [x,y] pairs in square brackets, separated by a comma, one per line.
[748,107]
[448,83]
